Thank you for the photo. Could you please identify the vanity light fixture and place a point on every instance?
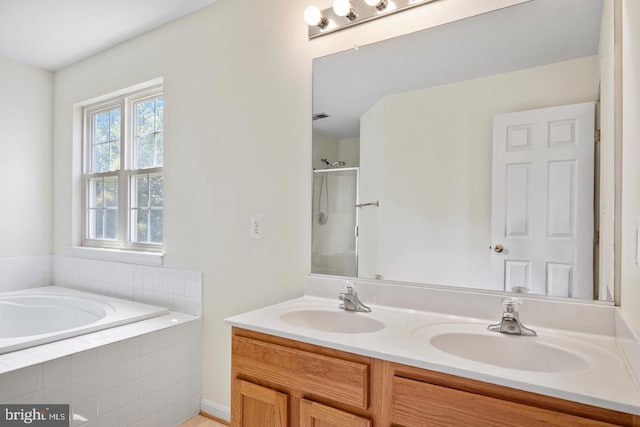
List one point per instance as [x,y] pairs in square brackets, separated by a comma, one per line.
[378,4]
[347,13]
[314,18]
[344,8]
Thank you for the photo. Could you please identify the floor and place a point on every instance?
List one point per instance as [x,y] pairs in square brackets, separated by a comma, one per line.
[200,421]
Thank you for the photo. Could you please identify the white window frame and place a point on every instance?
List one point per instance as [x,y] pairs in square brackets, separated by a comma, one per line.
[125,174]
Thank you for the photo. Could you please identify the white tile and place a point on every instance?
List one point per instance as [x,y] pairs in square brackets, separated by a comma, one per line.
[149,364]
[58,393]
[129,393]
[84,409]
[166,338]
[129,370]
[149,384]
[84,387]
[108,355]
[149,343]
[57,371]
[192,288]
[183,389]
[111,419]
[130,414]
[83,363]
[183,351]
[6,392]
[107,380]
[130,348]
[34,397]
[26,380]
[183,411]
[108,401]
[182,370]
[166,357]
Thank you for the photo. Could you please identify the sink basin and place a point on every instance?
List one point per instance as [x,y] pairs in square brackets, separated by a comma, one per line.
[473,342]
[338,321]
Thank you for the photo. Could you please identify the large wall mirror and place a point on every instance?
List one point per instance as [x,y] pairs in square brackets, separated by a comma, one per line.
[477,154]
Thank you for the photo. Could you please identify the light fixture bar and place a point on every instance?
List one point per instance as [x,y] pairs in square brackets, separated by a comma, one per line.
[364,13]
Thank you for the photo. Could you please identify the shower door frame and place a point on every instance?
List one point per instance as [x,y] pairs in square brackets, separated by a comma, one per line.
[356,230]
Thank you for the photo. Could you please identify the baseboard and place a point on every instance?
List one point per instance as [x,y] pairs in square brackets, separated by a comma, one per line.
[215,411]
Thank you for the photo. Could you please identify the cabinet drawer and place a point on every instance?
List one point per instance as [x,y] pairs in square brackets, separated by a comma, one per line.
[328,377]
[417,403]
[313,414]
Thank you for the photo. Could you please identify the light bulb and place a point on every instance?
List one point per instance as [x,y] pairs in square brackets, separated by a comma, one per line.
[312,16]
[379,4]
[341,7]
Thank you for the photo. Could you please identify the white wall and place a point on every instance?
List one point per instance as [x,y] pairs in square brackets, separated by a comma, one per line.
[630,278]
[324,147]
[237,79]
[434,219]
[25,160]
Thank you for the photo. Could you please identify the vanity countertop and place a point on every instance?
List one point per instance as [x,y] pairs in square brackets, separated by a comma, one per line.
[602,378]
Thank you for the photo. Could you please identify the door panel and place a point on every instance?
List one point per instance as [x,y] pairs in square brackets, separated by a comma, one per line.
[542,200]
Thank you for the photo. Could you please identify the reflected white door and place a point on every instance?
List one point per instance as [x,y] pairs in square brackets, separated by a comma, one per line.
[542,200]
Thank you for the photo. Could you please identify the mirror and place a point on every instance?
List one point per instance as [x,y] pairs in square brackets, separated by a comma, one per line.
[466,155]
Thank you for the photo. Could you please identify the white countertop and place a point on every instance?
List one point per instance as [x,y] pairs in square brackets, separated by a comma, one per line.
[604,381]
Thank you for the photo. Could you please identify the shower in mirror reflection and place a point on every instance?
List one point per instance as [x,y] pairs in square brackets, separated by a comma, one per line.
[335,195]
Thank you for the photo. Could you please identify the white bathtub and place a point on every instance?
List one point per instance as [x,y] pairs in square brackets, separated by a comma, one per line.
[42,315]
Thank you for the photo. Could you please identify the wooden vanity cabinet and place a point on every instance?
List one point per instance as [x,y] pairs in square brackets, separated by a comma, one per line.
[279,382]
[310,385]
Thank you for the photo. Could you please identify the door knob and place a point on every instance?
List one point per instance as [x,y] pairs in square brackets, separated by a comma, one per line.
[498,248]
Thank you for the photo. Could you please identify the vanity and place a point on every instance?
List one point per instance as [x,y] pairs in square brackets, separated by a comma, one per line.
[305,362]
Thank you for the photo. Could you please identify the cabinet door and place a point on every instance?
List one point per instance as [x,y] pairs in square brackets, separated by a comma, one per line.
[254,405]
[419,404]
[313,414]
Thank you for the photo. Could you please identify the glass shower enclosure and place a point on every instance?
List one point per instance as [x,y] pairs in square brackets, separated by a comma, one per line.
[334,227]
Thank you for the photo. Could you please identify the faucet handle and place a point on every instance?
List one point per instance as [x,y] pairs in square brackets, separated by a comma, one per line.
[509,304]
[349,287]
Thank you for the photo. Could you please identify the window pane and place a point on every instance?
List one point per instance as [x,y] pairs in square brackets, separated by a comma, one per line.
[148,150]
[101,128]
[95,224]
[114,125]
[140,192]
[101,157]
[111,224]
[159,114]
[145,152]
[110,198]
[96,193]
[155,190]
[105,146]
[159,153]
[155,226]
[140,218]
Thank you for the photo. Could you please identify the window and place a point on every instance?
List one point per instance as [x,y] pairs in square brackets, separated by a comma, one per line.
[123,181]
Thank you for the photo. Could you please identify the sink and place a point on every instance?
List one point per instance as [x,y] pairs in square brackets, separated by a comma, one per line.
[473,342]
[338,321]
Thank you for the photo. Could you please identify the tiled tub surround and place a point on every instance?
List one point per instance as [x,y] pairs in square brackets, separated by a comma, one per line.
[178,290]
[142,374]
[588,330]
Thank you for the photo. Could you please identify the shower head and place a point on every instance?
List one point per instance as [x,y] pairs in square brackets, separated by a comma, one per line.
[333,164]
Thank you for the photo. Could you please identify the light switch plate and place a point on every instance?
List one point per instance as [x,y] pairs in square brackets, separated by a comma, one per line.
[637,241]
[256,227]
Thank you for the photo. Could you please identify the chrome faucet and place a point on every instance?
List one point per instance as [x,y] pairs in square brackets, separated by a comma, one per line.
[510,323]
[350,300]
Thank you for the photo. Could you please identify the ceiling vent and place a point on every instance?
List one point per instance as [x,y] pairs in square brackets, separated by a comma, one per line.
[320,116]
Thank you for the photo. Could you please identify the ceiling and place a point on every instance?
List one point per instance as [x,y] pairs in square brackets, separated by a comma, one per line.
[347,84]
[52,34]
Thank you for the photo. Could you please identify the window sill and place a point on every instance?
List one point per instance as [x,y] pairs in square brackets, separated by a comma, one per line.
[117,255]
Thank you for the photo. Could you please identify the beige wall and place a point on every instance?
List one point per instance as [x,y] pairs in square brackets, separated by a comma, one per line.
[25,160]
[630,278]
[237,79]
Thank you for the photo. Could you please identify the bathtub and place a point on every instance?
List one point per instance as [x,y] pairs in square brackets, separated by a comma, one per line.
[42,315]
